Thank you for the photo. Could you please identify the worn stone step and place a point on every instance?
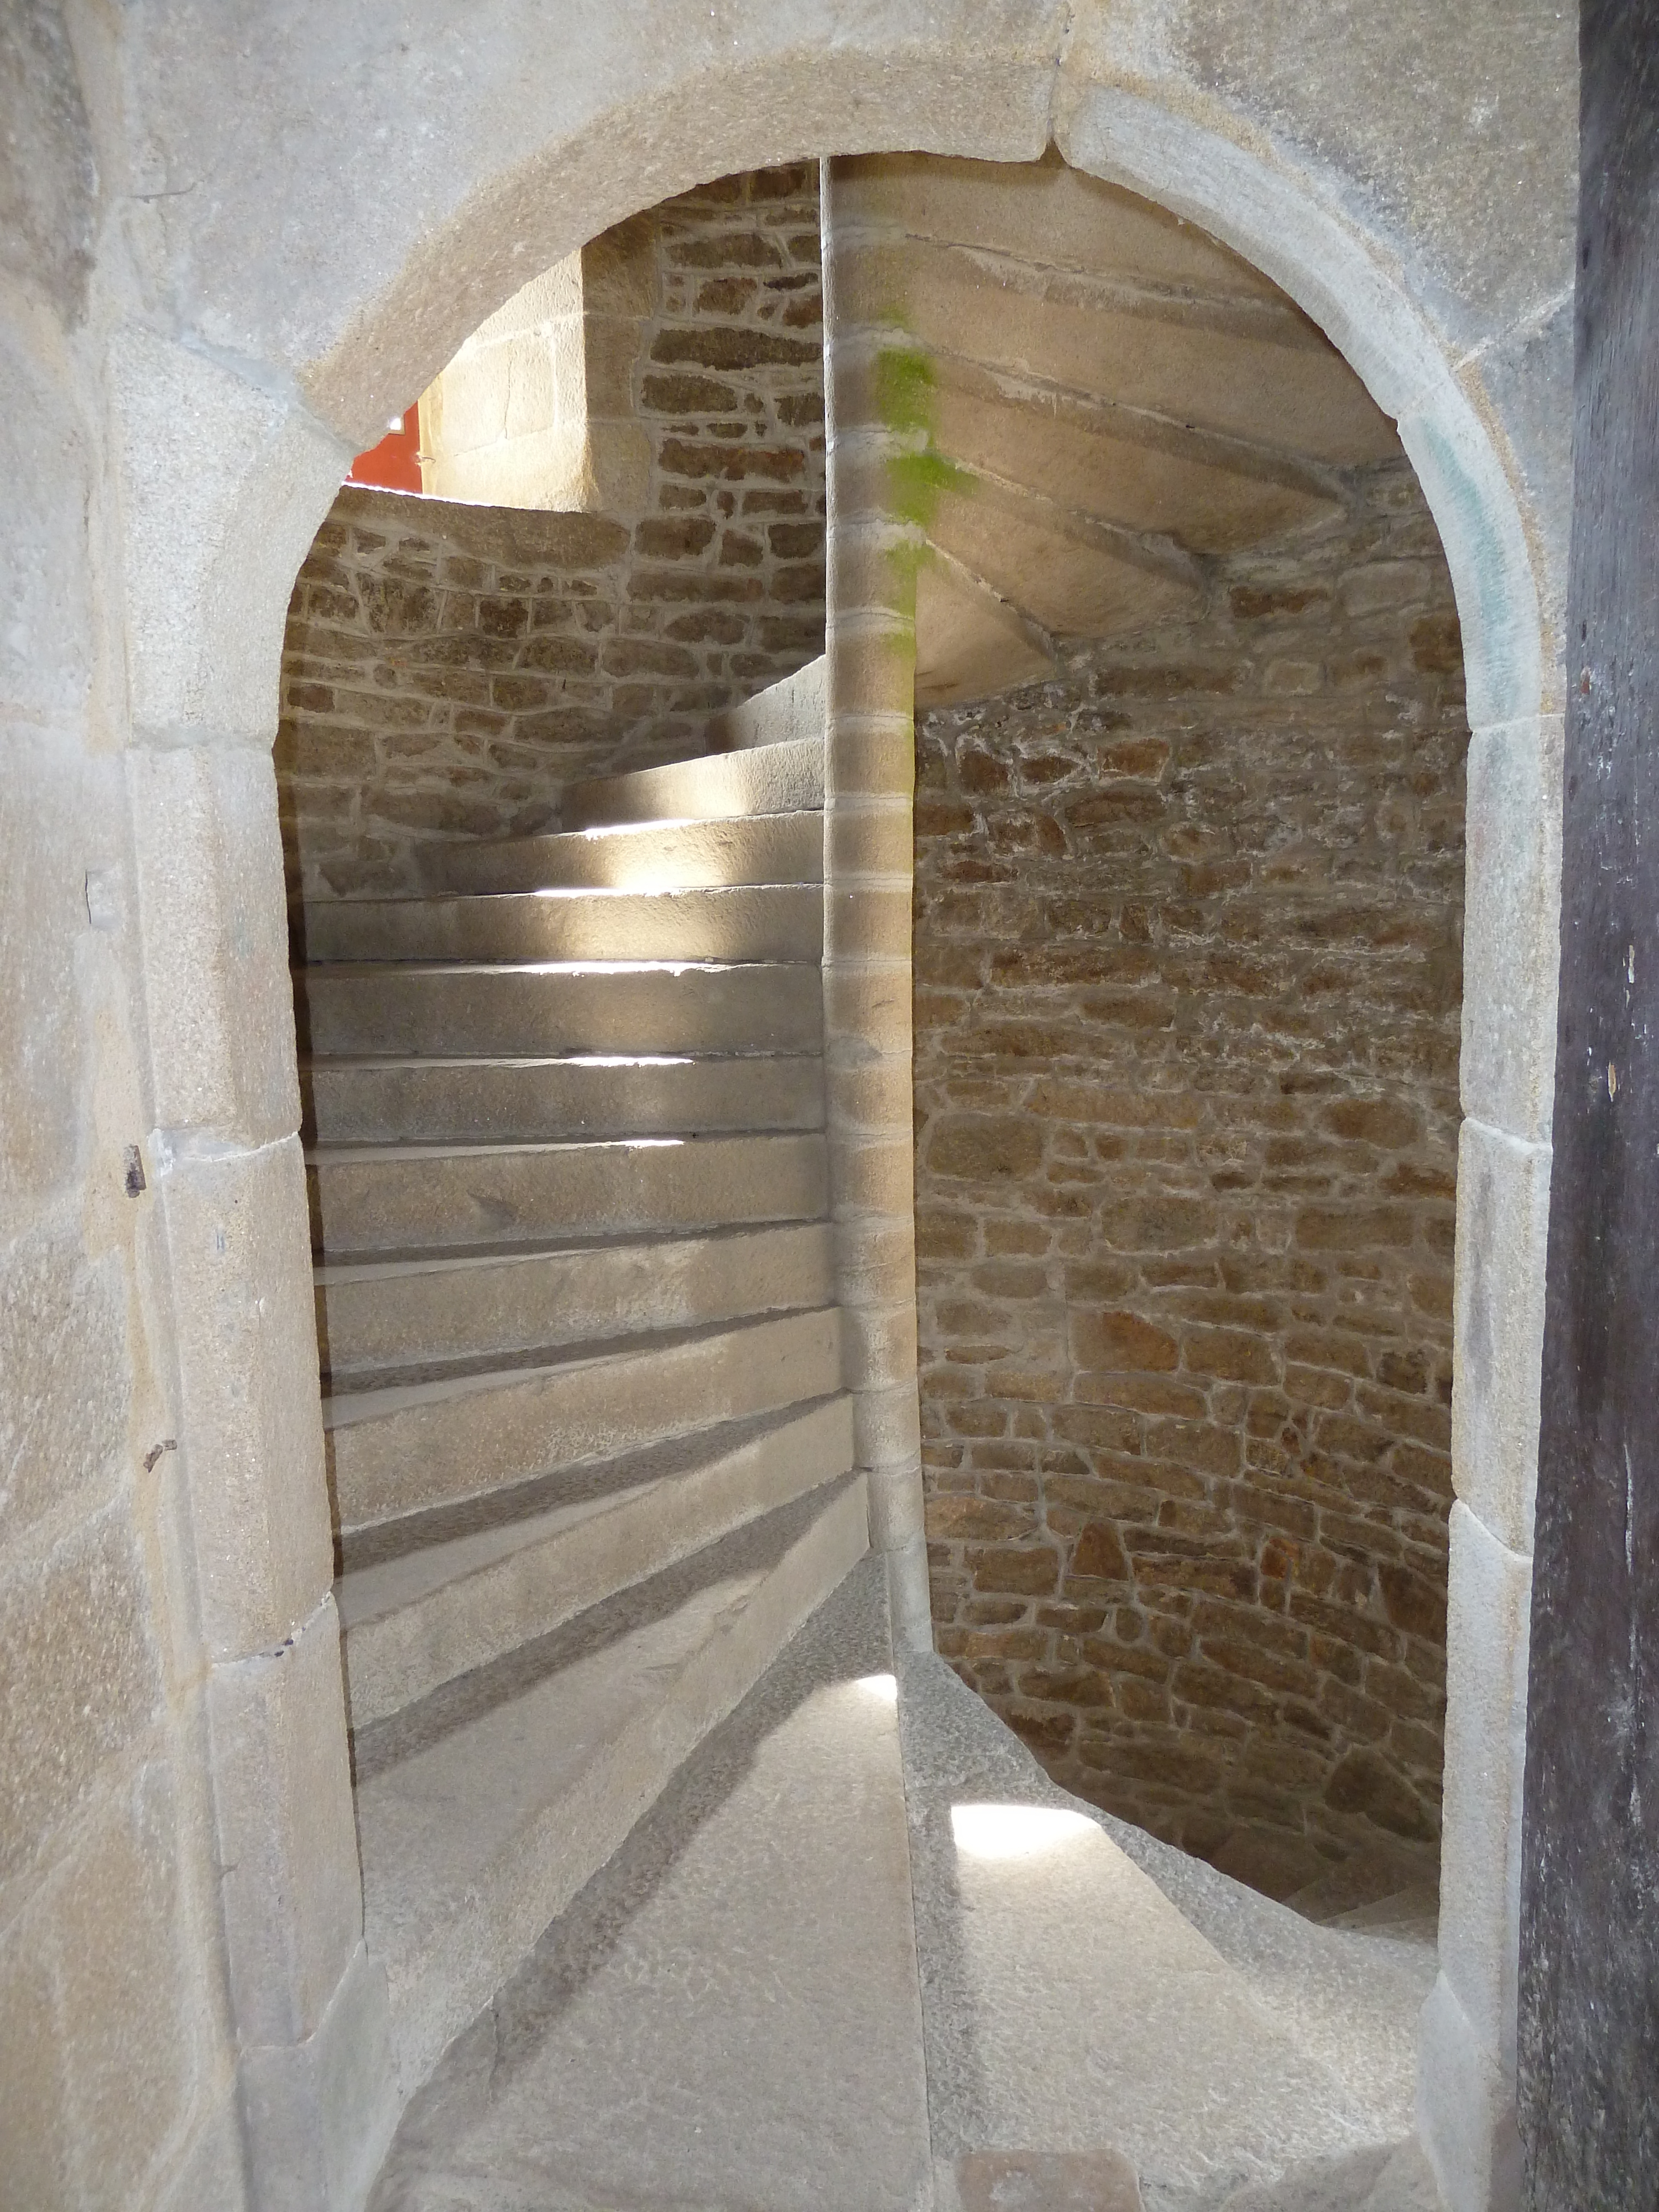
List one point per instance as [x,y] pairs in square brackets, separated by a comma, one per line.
[652,1007]
[412,1198]
[742,922]
[415,1621]
[379,1314]
[653,856]
[373,1100]
[729,2015]
[765,779]
[481,1812]
[412,1446]
[1043,1924]
[794,708]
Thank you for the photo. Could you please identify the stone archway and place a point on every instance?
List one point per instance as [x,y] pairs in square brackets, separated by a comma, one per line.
[229,447]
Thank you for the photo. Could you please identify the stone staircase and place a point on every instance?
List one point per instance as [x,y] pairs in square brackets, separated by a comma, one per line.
[589,1452]
[689,1888]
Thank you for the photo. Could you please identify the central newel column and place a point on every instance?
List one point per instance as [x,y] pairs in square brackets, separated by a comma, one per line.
[869,781]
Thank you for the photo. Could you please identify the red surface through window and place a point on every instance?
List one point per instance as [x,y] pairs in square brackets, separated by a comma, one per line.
[394,464]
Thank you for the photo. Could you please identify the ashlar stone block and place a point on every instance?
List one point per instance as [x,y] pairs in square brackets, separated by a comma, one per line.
[287,1843]
[79,1680]
[249,1407]
[45,639]
[214,927]
[119,1949]
[222,487]
[319,2113]
[1512,924]
[1465,2111]
[44,856]
[63,1356]
[1502,1230]
[1489,1602]
[35,2129]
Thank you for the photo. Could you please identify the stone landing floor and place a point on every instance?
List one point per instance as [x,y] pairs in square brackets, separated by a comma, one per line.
[863,1956]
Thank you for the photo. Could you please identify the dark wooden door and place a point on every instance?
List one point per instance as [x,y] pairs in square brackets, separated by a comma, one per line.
[1589,1915]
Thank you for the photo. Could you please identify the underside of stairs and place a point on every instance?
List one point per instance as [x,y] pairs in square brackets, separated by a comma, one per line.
[589,1452]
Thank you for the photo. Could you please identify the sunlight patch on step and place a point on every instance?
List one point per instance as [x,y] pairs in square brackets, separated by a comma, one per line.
[1015,1832]
[883,1689]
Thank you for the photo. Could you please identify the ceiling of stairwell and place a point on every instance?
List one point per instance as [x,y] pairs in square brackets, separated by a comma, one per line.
[1122,397]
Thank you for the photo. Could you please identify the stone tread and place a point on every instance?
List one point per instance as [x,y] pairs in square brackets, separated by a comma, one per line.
[485,1820]
[785,778]
[406,1446]
[384,1313]
[763,848]
[390,1098]
[412,1622]
[633,1007]
[743,922]
[368,1198]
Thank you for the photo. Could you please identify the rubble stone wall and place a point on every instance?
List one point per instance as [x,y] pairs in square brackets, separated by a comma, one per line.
[447,668]
[1187,990]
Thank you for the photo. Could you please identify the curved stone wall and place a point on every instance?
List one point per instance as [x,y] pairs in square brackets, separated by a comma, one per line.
[1187,1019]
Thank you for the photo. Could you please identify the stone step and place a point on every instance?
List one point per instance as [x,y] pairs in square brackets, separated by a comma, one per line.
[379,1314]
[412,1199]
[739,922]
[763,779]
[406,1447]
[376,1101]
[730,2014]
[414,1621]
[483,1812]
[653,856]
[647,1008]
[1259,2045]
[794,709]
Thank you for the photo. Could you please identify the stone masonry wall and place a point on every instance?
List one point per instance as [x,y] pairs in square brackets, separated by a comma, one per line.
[1187,1027]
[448,669]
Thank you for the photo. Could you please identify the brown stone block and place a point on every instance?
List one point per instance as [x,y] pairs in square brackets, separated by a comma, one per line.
[1160,1570]
[1202,1447]
[1080,1687]
[1098,1555]
[1326,1349]
[944,1236]
[983,1148]
[1162,1224]
[1365,1783]
[1416,1603]
[1342,1626]
[1273,1669]
[1216,1688]
[1122,1342]
[1033,1571]
[1142,1393]
[1235,1355]
[1047,1734]
[949,1517]
[1097,1428]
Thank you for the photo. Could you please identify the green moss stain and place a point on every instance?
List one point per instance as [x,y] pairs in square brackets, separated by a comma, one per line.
[917,482]
[904,389]
[918,477]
